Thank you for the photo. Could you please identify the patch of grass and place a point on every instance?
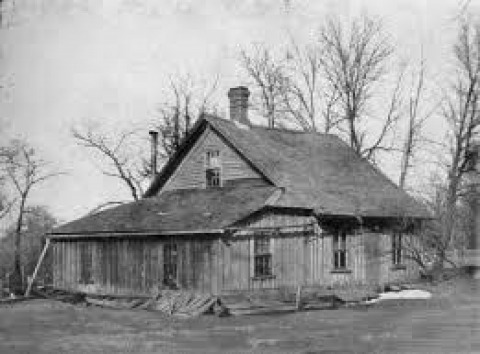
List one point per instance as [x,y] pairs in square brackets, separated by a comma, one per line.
[423,326]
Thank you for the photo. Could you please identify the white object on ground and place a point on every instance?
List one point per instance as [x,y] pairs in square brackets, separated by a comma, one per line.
[410,294]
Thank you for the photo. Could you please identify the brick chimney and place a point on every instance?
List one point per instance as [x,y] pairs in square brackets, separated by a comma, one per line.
[238,97]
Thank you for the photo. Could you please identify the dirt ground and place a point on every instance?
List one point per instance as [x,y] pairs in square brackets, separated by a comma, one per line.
[448,323]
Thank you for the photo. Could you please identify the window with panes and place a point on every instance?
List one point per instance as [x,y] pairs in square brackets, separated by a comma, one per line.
[340,250]
[263,257]
[397,248]
[212,169]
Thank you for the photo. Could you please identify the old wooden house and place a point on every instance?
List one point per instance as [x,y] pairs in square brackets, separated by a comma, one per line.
[243,207]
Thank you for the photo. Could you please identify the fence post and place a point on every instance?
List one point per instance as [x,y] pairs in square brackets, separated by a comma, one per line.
[298,298]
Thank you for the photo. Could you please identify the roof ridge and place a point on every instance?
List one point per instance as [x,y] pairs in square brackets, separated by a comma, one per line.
[278,129]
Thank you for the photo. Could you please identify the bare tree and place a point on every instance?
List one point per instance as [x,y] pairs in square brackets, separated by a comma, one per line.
[291,86]
[354,62]
[305,98]
[461,110]
[187,99]
[416,121]
[1,12]
[5,204]
[119,154]
[115,154]
[23,171]
[269,78]
[38,220]
[301,89]
[387,124]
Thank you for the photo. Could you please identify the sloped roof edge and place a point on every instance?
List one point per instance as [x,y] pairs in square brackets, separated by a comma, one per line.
[166,171]
[186,146]
[183,211]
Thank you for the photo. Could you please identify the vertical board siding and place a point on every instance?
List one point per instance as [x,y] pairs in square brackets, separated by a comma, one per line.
[126,266]
[379,268]
[290,263]
[373,255]
[213,265]
[191,172]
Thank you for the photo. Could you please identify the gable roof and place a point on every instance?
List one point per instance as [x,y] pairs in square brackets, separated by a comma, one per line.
[317,171]
[181,211]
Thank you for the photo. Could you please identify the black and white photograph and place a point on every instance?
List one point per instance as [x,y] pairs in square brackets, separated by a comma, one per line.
[239,176]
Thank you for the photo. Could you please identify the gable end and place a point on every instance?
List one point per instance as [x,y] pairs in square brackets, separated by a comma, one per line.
[187,169]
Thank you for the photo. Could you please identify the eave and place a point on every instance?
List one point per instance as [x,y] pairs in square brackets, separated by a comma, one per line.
[136,234]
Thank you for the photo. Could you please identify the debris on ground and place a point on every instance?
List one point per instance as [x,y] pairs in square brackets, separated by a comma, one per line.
[256,303]
[58,294]
[187,304]
[172,302]
[177,303]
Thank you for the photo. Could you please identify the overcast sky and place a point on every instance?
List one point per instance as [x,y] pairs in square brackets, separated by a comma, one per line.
[65,61]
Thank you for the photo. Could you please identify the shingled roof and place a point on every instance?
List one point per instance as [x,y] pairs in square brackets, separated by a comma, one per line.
[178,211]
[317,171]
[313,171]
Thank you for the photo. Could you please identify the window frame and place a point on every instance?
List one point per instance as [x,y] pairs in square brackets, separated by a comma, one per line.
[262,257]
[213,170]
[170,263]
[339,251]
[397,248]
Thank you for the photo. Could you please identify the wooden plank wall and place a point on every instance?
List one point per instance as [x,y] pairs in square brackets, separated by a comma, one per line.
[206,264]
[355,272]
[292,257]
[388,273]
[308,259]
[135,266]
[379,267]
[191,172]
[373,255]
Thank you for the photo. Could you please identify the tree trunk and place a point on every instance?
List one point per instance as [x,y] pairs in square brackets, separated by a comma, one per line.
[449,219]
[354,143]
[16,280]
[407,152]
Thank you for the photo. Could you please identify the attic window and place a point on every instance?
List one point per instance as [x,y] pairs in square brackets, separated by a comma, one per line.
[212,169]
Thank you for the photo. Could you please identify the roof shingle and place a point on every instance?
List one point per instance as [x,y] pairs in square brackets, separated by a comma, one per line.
[174,211]
[319,171]
[309,171]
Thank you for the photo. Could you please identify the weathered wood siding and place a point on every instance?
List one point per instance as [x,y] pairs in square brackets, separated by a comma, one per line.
[379,267]
[301,256]
[135,266]
[191,172]
[307,258]
[290,256]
